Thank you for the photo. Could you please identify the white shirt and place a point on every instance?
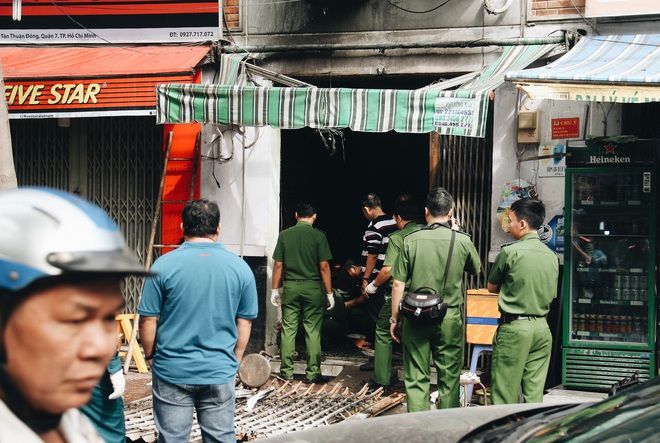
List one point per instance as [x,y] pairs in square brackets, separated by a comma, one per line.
[74,426]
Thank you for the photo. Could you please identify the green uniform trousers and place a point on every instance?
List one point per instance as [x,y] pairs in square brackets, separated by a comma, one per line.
[521,357]
[444,343]
[383,346]
[302,302]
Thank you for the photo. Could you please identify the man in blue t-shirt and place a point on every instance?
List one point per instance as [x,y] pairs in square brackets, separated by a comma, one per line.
[195,322]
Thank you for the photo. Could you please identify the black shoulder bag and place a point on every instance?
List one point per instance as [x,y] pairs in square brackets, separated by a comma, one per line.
[425,304]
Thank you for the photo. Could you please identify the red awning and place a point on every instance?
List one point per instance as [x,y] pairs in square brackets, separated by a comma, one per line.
[93,81]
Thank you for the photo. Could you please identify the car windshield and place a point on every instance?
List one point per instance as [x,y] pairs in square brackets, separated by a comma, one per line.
[632,415]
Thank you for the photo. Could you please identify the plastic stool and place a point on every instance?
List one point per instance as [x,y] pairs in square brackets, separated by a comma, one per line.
[476,351]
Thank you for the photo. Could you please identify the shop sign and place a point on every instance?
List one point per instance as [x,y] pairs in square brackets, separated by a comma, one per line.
[563,128]
[56,94]
[109,21]
[593,93]
[455,113]
[47,98]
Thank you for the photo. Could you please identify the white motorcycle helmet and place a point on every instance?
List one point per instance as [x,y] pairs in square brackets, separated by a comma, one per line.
[45,232]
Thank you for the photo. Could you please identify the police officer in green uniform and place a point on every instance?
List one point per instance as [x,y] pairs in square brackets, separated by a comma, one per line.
[525,275]
[422,262]
[301,256]
[405,214]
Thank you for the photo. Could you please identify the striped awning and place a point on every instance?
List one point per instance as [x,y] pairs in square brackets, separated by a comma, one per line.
[459,112]
[614,68]
[232,70]
[463,111]
[365,110]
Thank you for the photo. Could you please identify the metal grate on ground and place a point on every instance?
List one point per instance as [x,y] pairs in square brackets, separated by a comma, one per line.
[276,410]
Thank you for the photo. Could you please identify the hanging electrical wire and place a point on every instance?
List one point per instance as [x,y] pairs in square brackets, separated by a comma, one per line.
[217,143]
[330,137]
[419,12]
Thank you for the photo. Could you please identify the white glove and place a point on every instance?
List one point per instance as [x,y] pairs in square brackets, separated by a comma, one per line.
[371,288]
[275,297]
[118,384]
[331,301]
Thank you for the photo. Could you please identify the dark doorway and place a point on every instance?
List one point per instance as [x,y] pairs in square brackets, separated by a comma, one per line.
[387,164]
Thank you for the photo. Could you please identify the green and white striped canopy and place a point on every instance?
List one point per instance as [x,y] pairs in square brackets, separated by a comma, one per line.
[461,112]
[464,111]
[365,110]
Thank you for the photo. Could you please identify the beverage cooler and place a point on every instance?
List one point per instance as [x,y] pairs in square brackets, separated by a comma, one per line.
[609,264]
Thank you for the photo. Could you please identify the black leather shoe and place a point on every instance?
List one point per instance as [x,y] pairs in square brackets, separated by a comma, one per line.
[373,386]
[319,379]
[286,377]
[368,366]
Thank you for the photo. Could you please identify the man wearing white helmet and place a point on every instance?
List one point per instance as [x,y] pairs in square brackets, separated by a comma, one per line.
[62,261]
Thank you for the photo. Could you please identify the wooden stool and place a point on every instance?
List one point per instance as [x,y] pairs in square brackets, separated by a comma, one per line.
[125,332]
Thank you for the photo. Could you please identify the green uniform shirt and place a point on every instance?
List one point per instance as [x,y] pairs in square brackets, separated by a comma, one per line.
[424,256]
[527,272]
[301,248]
[396,244]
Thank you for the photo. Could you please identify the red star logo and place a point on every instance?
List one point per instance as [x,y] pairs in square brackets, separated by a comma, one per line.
[609,148]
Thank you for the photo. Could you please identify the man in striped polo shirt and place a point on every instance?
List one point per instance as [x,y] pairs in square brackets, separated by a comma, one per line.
[374,246]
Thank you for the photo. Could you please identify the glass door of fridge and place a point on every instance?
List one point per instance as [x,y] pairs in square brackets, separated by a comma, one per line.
[610,263]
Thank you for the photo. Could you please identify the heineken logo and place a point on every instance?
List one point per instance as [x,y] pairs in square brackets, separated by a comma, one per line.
[613,153]
[615,159]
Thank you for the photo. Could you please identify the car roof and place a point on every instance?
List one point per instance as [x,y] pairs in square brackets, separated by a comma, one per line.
[445,425]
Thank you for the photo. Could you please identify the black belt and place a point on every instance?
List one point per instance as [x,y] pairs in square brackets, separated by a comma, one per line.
[508,318]
[298,280]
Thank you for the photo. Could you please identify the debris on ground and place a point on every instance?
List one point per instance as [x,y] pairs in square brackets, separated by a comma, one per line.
[277,408]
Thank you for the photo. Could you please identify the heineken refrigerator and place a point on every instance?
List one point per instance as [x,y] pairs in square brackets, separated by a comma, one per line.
[609,302]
